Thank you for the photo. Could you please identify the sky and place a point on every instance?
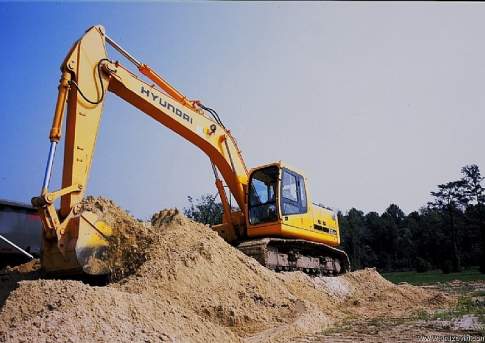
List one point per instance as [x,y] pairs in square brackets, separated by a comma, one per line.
[377,103]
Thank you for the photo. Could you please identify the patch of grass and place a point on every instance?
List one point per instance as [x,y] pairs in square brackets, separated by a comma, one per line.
[465,306]
[480,293]
[343,326]
[435,276]
[365,326]
[422,315]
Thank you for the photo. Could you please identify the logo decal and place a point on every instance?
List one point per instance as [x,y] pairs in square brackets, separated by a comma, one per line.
[156,98]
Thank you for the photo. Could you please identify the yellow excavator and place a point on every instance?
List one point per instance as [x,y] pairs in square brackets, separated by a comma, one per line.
[275,222]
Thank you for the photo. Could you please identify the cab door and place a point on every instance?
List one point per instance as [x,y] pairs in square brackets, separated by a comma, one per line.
[294,208]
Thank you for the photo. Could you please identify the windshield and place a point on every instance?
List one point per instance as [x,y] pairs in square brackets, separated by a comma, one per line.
[262,196]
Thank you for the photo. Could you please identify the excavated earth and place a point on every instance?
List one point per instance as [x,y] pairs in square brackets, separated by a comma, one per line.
[175,280]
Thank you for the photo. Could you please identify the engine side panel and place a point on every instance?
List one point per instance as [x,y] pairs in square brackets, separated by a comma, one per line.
[284,230]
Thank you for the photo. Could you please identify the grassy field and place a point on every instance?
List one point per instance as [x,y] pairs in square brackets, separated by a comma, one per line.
[434,276]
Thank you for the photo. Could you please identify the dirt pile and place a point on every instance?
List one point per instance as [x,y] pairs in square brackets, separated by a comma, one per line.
[53,310]
[11,276]
[31,266]
[181,282]
[129,243]
[364,293]
[190,263]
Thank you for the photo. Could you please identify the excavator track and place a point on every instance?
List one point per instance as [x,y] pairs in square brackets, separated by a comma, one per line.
[312,258]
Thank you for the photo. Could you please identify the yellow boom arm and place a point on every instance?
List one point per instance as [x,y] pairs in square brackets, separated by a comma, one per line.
[87,74]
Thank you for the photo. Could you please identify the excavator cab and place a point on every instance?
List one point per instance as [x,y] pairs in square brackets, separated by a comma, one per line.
[275,191]
[285,230]
[279,205]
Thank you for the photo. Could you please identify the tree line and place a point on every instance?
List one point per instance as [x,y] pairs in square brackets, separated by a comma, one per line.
[448,233]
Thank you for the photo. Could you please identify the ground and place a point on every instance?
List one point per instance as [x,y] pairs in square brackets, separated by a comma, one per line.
[464,321]
[174,280]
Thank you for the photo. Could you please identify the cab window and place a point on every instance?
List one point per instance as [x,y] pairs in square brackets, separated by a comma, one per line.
[262,196]
[293,194]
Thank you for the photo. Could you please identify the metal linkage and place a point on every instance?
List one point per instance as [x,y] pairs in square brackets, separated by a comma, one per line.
[122,51]
[48,168]
[17,247]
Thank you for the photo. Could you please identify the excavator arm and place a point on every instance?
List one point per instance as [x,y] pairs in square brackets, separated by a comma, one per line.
[86,76]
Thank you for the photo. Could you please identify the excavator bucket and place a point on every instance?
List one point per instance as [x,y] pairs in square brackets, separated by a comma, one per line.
[84,247]
[92,246]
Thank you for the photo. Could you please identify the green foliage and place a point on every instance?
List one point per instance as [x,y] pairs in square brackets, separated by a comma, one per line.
[204,209]
[473,183]
[448,234]
[447,267]
[422,265]
[466,305]
[433,276]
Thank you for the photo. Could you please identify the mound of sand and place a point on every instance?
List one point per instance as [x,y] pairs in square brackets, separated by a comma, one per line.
[128,246]
[191,264]
[53,310]
[177,280]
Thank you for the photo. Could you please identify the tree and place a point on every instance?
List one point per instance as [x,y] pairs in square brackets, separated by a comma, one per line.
[472,179]
[352,237]
[204,209]
[394,213]
[398,246]
[450,198]
[476,196]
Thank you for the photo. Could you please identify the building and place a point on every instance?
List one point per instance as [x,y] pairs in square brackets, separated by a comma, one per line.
[20,229]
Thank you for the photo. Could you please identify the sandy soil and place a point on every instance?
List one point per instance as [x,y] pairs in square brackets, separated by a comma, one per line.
[177,281]
[389,330]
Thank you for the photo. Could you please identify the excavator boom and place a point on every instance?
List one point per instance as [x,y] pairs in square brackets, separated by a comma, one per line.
[86,76]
